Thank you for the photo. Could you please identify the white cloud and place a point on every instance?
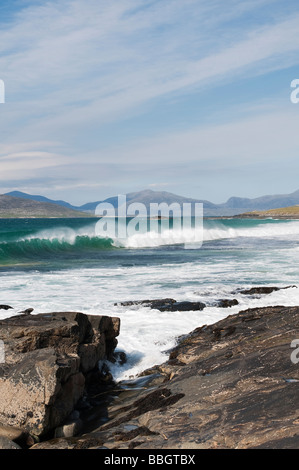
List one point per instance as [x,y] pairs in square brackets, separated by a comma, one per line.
[20,165]
[254,139]
[103,59]
[73,65]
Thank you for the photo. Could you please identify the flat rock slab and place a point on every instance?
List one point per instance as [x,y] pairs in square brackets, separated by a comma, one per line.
[166,305]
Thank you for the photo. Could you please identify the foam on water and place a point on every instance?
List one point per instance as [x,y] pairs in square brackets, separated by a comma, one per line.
[212,230]
[147,334]
[268,230]
[215,271]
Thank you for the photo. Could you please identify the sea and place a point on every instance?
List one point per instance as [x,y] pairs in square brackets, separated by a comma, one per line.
[65,265]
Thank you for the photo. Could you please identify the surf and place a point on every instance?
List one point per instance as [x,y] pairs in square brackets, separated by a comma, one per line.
[20,244]
[213,230]
[43,247]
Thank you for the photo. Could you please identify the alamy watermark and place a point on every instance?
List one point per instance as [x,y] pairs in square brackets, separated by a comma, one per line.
[295,353]
[295,93]
[179,223]
[2,92]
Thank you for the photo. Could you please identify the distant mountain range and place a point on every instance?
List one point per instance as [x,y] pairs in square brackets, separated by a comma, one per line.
[16,207]
[234,205]
[32,197]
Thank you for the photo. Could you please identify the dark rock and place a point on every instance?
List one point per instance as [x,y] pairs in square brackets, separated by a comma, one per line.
[28,311]
[225,303]
[263,290]
[5,307]
[231,385]
[167,305]
[48,357]
[182,307]
[120,357]
[156,303]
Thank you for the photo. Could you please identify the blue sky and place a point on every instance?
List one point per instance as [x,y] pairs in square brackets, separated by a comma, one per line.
[191,97]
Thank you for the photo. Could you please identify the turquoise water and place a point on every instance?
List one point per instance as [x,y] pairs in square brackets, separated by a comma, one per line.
[49,244]
[63,265]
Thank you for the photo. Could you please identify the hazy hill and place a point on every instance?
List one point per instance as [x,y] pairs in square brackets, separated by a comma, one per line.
[233,206]
[14,207]
[264,202]
[148,197]
[279,213]
[39,198]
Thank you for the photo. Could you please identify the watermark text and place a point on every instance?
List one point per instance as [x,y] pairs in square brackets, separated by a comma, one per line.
[295,92]
[180,223]
[295,353]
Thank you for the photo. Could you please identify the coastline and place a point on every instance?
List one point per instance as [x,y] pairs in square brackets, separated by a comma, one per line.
[219,388]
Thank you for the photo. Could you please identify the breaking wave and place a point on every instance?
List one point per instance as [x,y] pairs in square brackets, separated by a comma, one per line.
[65,240]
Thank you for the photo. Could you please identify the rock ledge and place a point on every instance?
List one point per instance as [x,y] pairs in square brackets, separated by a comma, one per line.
[48,358]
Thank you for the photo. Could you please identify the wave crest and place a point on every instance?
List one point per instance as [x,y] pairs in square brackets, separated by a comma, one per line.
[67,240]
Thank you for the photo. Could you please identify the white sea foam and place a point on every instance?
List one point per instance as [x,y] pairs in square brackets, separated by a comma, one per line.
[62,234]
[281,230]
[147,334]
[214,230]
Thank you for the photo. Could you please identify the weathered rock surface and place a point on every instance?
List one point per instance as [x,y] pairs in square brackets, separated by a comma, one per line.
[226,303]
[166,305]
[263,290]
[156,303]
[172,305]
[16,435]
[6,444]
[231,385]
[48,358]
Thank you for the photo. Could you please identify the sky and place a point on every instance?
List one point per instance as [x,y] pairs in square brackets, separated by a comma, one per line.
[186,96]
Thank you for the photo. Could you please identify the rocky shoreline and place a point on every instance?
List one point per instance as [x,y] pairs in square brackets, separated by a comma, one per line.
[230,385]
[51,363]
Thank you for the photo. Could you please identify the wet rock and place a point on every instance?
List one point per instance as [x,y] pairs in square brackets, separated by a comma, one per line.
[120,357]
[230,385]
[5,307]
[263,290]
[182,307]
[156,303]
[27,311]
[225,303]
[167,305]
